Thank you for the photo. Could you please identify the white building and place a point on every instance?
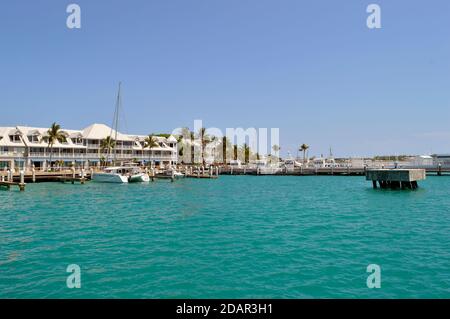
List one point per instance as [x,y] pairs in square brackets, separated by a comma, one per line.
[422,161]
[441,159]
[24,147]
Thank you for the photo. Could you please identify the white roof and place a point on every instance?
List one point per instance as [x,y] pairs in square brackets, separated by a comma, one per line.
[171,139]
[42,132]
[4,137]
[94,132]
[101,131]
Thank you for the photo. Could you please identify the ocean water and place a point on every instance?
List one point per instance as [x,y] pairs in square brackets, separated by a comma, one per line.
[235,237]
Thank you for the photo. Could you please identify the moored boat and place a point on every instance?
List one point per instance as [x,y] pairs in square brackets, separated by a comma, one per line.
[111,175]
[138,177]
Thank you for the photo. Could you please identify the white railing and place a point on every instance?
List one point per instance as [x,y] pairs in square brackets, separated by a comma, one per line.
[56,155]
[12,154]
[88,156]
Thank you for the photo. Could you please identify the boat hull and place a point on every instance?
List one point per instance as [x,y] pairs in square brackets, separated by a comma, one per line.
[139,178]
[269,170]
[109,178]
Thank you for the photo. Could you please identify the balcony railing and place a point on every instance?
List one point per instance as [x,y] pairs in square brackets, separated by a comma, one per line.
[56,155]
[12,154]
[88,156]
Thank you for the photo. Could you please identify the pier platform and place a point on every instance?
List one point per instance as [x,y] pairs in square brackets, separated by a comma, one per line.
[395,178]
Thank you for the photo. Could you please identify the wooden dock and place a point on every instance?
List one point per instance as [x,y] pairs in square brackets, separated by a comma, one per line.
[71,179]
[42,176]
[298,171]
[395,178]
[323,171]
[9,184]
[201,176]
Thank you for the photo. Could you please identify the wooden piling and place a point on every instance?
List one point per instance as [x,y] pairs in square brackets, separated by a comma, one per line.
[22,181]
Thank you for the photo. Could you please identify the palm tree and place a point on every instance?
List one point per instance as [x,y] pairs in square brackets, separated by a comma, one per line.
[186,133]
[102,160]
[235,151]
[204,140]
[245,149]
[54,134]
[184,140]
[303,148]
[107,144]
[226,147]
[150,142]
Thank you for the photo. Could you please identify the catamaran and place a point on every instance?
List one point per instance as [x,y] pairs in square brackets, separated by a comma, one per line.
[119,174]
[112,175]
[136,175]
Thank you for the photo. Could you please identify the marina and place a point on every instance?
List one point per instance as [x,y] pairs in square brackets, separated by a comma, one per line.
[8,179]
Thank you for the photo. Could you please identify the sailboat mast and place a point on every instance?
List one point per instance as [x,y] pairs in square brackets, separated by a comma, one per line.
[115,125]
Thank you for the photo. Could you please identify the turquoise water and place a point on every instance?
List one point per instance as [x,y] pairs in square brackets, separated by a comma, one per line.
[235,237]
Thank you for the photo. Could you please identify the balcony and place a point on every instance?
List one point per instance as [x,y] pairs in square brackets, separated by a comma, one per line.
[88,156]
[12,154]
[56,155]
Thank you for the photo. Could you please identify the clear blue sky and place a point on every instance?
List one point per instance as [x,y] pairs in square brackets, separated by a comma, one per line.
[311,68]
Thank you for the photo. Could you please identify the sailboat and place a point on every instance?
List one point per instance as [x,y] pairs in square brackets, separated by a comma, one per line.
[119,174]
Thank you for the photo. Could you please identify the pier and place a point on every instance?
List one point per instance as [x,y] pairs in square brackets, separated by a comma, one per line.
[9,184]
[395,178]
[323,171]
[8,181]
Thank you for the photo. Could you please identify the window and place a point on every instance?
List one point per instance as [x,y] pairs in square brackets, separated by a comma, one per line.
[15,138]
[33,138]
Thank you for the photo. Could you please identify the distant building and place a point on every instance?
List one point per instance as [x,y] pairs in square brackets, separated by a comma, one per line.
[443,159]
[422,160]
[24,147]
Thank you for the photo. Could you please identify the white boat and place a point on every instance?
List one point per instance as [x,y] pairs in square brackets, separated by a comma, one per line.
[290,164]
[173,172]
[137,176]
[264,167]
[235,164]
[112,175]
[269,170]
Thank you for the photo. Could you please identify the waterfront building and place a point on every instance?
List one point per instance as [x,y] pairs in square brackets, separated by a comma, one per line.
[24,147]
[322,162]
[441,159]
[421,161]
